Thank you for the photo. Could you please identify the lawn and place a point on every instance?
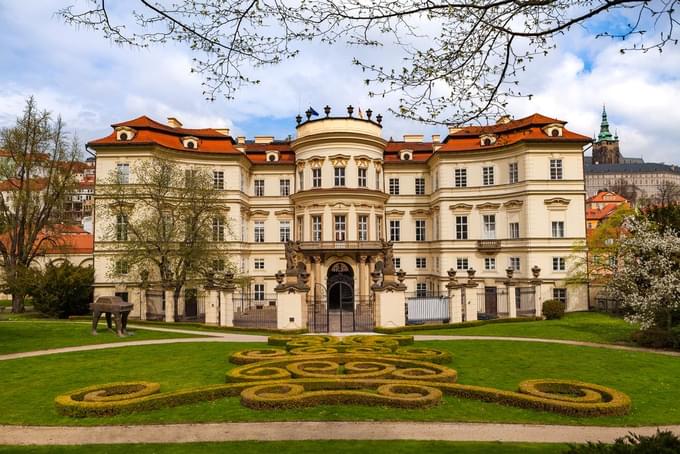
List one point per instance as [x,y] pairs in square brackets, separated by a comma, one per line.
[301,447]
[29,335]
[579,326]
[652,381]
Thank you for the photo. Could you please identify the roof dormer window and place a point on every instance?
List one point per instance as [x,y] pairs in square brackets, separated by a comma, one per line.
[272,156]
[553,130]
[190,143]
[406,155]
[124,133]
[487,139]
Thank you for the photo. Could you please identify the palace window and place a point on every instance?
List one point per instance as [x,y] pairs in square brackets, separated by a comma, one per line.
[122,267]
[258,292]
[258,264]
[259,188]
[420,186]
[122,227]
[379,228]
[300,227]
[461,227]
[395,230]
[218,179]
[556,169]
[301,180]
[397,262]
[421,263]
[460,178]
[394,186]
[514,230]
[123,173]
[560,294]
[421,290]
[362,227]
[420,229]
[218,229]
[558,229]
[515,263]
[316,178]
[559,264]
[462,263]
[340,226]
[489,222]
[316,228]
[259,231]
[361,177]
[339,176]
[189,177]
[218,265]
[284,231]
[513,172]
[489,263]
[284,187]
[377,180]
[487,176]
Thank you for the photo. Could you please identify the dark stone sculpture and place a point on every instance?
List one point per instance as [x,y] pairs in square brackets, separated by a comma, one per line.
[111,306]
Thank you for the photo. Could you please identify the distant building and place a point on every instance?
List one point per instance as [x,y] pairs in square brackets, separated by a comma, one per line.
[608,170]
[600,206]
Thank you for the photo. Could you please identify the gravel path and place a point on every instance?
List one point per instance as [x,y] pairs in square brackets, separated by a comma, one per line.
[312,430]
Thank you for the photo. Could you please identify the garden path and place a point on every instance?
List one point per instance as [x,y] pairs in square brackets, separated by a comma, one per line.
[313,430]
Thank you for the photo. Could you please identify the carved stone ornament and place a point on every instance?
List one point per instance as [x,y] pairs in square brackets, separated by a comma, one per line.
[339,160]
[461,207]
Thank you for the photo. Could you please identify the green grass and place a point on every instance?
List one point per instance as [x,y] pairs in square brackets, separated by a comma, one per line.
[301,447]
[652,381]
[28,335]
[578,326]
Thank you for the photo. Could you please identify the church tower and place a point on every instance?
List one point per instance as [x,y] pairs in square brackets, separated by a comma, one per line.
[606,147]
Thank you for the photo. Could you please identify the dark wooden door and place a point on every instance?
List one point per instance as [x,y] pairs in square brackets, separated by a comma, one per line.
[191,303]
[490,300]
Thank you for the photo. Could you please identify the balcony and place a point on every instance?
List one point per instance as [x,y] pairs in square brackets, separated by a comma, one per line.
[489,246]
[368,246]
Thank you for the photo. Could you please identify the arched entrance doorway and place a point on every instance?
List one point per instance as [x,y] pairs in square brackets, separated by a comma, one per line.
[340,287]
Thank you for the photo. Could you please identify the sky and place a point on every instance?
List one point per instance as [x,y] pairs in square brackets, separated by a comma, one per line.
[93,83]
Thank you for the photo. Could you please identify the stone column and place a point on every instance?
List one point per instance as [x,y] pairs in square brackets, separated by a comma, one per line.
[363,276]
[169,305]
[455,308]
[317,269]
[212,306]
[227,306]
[538,297]
[470,300]
[512,305]
[142,304]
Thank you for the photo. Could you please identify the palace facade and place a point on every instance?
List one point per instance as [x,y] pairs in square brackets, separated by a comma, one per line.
[488,198]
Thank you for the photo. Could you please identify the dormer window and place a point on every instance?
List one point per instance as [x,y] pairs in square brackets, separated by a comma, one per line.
[406,155]
[272,156]
[553,130]
[487,139]
[190,142]
[124,133]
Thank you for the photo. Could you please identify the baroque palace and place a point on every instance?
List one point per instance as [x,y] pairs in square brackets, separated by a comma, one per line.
[505,200]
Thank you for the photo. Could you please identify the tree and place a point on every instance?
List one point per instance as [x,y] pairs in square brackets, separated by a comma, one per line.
[668,193]
[62,290]
[36,172]
[457,61]
[646,275]
[168,222]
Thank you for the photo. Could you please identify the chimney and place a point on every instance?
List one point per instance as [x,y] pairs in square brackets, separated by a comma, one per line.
[224,131]
[454,129]
[503,119]
[264,139]
[174,122]
[413,138]
[241,139]
[436,138]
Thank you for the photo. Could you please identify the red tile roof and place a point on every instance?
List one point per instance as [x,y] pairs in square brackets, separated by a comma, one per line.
[606,196]
[598,214]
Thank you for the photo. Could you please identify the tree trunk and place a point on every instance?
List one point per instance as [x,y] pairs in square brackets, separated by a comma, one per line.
[17,303]
[175,299]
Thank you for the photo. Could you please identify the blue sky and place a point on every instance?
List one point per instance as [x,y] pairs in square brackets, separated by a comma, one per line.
[93,84]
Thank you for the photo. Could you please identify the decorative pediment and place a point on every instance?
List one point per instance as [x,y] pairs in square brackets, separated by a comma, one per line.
[420,212]
[488,206]
[340,205]
[339,160]
[557,203]
[513,204]
[394,213]
[300,165]
[435,208]
[259,213]
[284,212]
[362,161]
[316,162]
[378,166]
[123,206]
[460,207]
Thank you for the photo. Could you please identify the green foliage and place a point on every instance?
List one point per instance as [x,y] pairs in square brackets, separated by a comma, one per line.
[553,309]
[661,443]
[445,326]
[664,217]
[62,290]
[653,338]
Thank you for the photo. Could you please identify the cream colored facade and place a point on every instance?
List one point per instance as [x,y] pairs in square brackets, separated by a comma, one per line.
[527,219]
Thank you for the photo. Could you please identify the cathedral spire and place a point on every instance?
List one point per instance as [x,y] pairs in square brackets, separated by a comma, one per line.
[604,127]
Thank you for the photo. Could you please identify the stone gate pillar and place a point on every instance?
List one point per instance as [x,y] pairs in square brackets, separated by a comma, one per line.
[537,282]
[291,300]
[169,305]
[454,288]
[390,300]
[470,300]
[510,286]
[227,300]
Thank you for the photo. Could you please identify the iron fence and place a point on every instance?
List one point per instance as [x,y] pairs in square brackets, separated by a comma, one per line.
[427,309]
[492,302]
[525,301]
[155,304]
[360,317]
[255,310]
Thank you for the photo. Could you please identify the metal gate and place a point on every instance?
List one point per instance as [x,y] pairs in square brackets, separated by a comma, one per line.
[351,314]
